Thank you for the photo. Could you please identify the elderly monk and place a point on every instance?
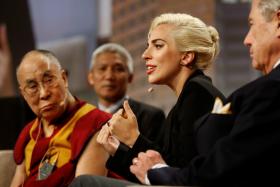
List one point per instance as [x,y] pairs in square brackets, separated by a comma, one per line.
[60,143]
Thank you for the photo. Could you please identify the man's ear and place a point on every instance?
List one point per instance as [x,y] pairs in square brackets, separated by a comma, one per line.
[187,58]
[278,16]
[90,79]
[130,78]
[278,23]
[64,75]
[21,92]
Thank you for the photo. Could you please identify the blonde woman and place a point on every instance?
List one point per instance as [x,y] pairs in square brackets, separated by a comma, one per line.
[179,48]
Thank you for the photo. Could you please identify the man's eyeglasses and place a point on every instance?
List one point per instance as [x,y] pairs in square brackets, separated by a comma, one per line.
[32,88]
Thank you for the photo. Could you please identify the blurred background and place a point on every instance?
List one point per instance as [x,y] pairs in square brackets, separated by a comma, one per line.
[73,29]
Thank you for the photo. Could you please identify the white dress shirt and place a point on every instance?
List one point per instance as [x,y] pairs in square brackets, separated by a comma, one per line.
[147,181]
[113,108]
[276,64]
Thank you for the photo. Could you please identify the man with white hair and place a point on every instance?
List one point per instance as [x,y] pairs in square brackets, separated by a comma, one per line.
[248,155]
[110,72]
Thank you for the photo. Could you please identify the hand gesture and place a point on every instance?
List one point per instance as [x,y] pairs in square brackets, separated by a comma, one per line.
[124,126]
[144,162]
[109,142]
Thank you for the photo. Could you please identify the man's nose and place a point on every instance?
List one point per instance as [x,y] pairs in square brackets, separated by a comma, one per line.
[109,74]
[247,40]
[43,91]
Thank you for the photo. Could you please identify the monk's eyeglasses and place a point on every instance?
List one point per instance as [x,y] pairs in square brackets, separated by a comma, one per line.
[32,88]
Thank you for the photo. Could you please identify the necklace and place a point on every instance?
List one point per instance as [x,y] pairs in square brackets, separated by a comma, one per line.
[49,159]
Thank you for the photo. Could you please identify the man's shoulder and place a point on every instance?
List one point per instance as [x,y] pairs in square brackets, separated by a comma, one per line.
[90,115]
[21,142]
[94,111]
[141,106]
[262,85]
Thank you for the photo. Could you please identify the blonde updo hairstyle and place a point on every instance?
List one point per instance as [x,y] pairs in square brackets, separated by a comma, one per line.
[192,35]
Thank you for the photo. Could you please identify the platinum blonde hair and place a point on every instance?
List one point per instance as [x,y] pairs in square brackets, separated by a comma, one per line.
[268,8]
[113,48]
[192,35]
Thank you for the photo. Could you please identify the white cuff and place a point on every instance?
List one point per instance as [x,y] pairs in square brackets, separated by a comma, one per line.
[159,165]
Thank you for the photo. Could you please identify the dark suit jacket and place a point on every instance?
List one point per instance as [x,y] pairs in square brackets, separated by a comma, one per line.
[248,155]
[146,115]
[149,118]
[176,142]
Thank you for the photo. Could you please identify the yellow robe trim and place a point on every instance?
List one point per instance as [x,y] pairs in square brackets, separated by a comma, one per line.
[59,146]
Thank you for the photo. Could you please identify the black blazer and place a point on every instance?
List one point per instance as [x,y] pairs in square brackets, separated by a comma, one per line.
[147,115]
[176,143]
[149,118]
[249,154]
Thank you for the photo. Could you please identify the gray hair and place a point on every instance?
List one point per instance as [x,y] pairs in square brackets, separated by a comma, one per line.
[192,35]
[268,8]
[46,56]
[113,48]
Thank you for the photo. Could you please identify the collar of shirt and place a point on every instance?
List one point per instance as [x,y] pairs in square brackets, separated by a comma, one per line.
[113,108]
[276,64]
